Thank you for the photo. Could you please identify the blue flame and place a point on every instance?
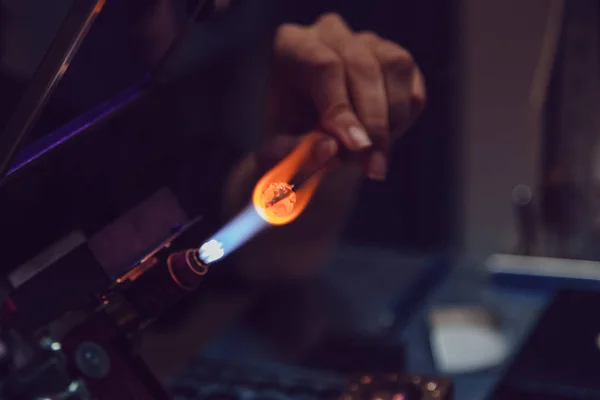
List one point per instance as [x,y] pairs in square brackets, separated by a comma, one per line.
[238,231]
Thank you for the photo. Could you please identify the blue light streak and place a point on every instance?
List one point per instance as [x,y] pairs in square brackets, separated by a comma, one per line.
[238,231]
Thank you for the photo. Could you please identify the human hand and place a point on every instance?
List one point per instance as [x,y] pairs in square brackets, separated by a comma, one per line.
[361,92]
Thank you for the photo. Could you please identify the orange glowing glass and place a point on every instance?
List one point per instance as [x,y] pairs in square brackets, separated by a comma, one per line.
[278,199]
[276,183]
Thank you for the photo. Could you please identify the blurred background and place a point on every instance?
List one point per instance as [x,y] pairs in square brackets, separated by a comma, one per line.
[503,160]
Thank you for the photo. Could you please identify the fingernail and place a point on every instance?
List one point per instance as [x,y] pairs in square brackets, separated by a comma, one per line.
[360,137]
[326,150]
[377,166]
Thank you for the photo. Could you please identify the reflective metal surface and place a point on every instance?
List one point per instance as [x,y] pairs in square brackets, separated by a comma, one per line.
[53,67]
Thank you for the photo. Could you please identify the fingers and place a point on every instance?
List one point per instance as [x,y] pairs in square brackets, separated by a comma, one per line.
[324,79]
[368,93]
[364,77]
[367,90]
[397,68]
[404,86]
[404,83]
[333,30]
[418,95]
[325,150]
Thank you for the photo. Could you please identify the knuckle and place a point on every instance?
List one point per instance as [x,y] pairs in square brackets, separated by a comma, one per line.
[286,32]
[361,61]
[326,63]
[368,36]
[287,29]
[419,92]
[334,110]
[399,59]
[418,100]
[365,67]
[329,18]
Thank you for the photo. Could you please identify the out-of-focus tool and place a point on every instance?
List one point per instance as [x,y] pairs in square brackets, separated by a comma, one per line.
[212,379]
[543,273]
[81,344]
[71,34]
[465,339]
[397,387]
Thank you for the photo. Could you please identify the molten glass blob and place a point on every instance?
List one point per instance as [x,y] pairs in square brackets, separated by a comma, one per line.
[291,201]
[278,199]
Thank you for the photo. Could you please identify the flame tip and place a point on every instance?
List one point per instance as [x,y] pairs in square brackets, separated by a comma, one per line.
[277,201]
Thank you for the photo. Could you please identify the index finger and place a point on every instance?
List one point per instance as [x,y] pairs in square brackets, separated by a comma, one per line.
[325,76]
